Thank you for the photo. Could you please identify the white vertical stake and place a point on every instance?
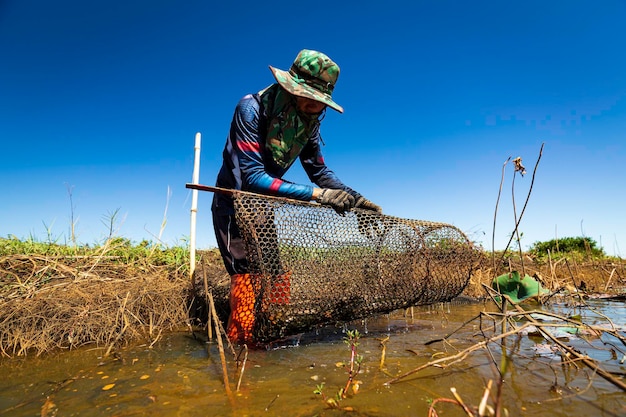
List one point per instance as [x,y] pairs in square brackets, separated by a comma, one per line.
[194,207]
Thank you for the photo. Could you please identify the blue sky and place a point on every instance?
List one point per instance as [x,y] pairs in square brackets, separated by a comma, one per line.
[104,98]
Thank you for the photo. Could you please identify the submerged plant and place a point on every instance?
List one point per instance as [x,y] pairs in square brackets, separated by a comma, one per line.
[353,368]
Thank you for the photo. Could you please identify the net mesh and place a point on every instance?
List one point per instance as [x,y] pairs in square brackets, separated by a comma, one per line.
[311,266]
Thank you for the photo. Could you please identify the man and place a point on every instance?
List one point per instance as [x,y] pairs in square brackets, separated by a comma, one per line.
[269,131]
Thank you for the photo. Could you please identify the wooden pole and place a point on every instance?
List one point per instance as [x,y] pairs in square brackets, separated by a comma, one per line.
[227,191]
[194,208]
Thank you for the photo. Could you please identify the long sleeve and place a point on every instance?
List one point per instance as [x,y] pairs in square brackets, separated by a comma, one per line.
[247,166]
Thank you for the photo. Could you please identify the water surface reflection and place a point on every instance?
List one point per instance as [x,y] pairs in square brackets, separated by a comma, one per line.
[181,375]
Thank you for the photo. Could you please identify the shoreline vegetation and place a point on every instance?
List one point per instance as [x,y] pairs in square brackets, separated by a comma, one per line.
[61,297]
[58,297]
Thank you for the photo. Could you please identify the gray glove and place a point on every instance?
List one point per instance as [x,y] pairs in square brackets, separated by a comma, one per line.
[364,203]
[340,200]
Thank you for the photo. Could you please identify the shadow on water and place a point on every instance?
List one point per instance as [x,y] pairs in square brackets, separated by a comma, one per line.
[182,376]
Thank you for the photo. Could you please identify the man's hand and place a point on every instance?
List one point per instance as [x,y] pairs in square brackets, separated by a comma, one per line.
[340,200]
[364,203]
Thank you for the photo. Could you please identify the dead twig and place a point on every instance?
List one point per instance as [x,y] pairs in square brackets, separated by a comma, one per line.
[584,359]
[220,347]
[383,344]
[449,360]
[495,215]
[124,320]
[243,366]
[519,219]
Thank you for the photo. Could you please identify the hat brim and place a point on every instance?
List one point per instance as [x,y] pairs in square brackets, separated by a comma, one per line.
[300,89]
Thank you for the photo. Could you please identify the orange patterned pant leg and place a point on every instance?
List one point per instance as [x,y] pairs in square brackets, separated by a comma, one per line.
[281,289]
[241,320]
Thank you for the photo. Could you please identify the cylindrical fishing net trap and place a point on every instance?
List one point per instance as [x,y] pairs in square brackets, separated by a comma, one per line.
[311,266]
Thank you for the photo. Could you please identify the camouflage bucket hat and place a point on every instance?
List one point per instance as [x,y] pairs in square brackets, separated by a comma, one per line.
[312,75]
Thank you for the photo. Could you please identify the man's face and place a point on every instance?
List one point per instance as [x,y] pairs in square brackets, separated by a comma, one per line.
[309,106]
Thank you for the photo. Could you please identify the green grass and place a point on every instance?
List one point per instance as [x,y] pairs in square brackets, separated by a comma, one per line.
[116,250]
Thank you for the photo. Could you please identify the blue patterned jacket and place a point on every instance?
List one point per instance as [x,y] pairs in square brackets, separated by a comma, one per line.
[249,166]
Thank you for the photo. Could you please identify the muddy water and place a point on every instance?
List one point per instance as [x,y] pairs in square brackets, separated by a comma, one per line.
[181,376]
